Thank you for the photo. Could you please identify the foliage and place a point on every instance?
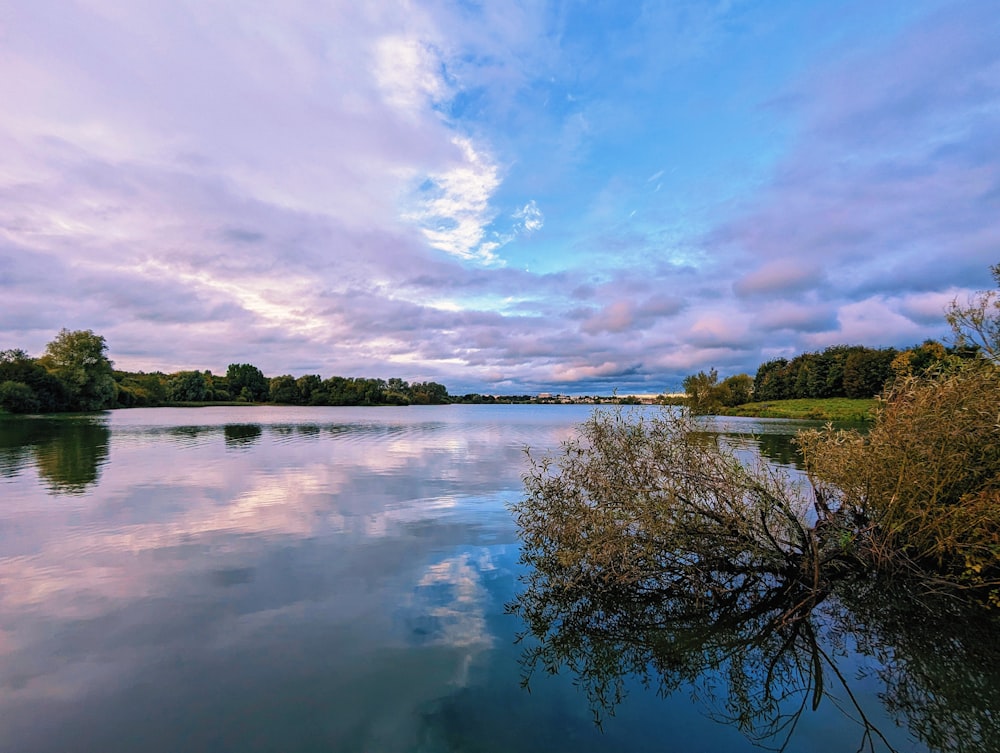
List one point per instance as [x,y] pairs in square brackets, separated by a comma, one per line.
[139,389]
[926,477]
[47,391]
[188,386]
[706,394]
[17,397]
[247,382]
[310,390]
[849,371]
[428,393]
[284,389]
[652,502]
[977,324]
[78,359]
[652,549]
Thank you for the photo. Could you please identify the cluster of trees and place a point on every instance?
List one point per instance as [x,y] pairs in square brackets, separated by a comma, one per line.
[705,392]
[851,371]
[244,382]
[75,374]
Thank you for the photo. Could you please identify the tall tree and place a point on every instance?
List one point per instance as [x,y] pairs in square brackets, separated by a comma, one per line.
[78,359]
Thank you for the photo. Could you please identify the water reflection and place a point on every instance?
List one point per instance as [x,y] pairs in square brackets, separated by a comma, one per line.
[68,452]
[330,580]
[245,435]
[312,591]
[771,649]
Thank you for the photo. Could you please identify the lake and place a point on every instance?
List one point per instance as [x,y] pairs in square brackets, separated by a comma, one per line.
[335,579]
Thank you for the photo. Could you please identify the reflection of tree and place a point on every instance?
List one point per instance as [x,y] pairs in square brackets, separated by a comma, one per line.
[762,653]
[940,662]
[68,452]
[16,437]
[779,449]
[242,435]
[654,554]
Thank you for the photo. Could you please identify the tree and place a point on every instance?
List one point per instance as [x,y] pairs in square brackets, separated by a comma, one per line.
[17,397]
[771,381]
[48,391]
[428,393]
[310,388]
[283,389]
[866,372]
[977,324]
[247,382]
[78,359]
[188,387]
[702,391]
[740,389]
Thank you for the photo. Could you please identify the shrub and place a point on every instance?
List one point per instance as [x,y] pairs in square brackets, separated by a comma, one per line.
[925,480]
[17,397]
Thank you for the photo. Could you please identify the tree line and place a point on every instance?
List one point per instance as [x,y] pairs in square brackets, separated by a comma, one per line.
[851,371]
[75,374]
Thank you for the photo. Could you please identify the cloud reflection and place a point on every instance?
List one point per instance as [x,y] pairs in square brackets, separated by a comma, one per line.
[199,566]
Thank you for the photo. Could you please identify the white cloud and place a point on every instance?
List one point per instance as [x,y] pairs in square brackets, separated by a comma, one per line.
[453,206]
[531,217]
[409,73]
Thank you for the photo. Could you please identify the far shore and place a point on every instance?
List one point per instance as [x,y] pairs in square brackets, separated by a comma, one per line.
[819,409]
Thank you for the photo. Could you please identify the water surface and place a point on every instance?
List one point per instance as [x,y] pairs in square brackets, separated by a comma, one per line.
[292,579]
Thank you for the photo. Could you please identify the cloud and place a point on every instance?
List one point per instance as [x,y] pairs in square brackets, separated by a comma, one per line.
[464,192]
[779,277]
[531,218]
[453,206]
[796,317]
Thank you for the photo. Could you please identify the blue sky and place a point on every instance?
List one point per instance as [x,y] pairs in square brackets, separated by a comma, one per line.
[504,197]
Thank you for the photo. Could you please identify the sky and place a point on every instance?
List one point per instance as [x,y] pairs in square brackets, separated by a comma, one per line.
[505,197]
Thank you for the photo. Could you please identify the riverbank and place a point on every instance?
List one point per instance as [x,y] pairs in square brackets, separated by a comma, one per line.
[820,409]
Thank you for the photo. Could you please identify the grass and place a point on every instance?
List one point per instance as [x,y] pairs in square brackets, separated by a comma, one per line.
[821,409]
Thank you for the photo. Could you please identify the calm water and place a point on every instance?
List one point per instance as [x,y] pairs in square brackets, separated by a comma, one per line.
[332,579]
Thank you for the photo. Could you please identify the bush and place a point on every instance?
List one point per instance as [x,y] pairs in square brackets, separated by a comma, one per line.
[655,503]
[925,480]
[17,397]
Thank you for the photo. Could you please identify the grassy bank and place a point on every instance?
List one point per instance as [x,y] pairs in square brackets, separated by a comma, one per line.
[822,409]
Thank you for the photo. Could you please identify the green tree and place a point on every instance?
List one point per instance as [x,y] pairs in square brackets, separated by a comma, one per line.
[17,397]
[428,393]
[739,388]
[772,380]
[922,485]
[50,393]
[310,389]
[188,387]
[139,389]
[247,382]
[706,394]
[78,359]
[283,389]
[866,372]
